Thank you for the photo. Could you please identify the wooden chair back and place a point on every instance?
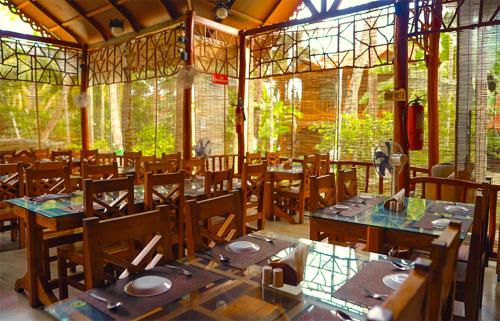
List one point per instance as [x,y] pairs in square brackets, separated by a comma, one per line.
[130,159]
[105,158]
[22,156]
[108,198]
[40,154]
[62,155]
[198,213]
[409,302]
[194,167]
[347,184]
[323,192]
[150,159]
[256,193]
[217,163]
[148,230]
[167,190]
[49,164]
[323,165]
[254,158]
[10,177]
[218,183]
[273,158]
[6,153]
[174,159]
[446,189]
[309,169]
[444,256]
[48,181]
[88,155]
[160,167]
[90,171]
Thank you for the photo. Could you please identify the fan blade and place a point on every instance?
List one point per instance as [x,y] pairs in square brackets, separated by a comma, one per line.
[380,154]
[389,149]
[383,166]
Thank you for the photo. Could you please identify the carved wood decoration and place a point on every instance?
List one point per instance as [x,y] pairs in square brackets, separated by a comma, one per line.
[39,62]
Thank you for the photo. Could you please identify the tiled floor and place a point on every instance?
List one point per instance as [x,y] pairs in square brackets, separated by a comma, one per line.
[14,306]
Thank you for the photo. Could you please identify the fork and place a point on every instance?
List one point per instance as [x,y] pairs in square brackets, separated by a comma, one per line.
[180,269]
[262,238]
[374,295]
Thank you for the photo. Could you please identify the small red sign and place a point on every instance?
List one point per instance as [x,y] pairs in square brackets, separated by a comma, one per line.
[219,79]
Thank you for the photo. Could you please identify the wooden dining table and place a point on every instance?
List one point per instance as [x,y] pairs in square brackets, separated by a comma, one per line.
[58,215]
[332,278]
[368,219]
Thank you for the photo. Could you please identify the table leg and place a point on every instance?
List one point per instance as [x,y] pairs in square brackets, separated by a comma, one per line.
[281,214]
[313,230]
[375,240]
[34,282]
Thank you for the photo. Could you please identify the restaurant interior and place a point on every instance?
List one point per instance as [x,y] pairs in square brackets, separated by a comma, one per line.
[249,160]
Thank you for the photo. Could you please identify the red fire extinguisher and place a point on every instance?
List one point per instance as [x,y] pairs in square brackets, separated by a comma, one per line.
[240,116]
[415,124]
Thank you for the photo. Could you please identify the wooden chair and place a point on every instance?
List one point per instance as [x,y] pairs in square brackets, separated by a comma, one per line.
[409,302]
[194,167]
[323,192]
[228,207]
[273,158]
[51,181]
[174,159]
[218,183]
[147,230]
[90,171]
[62,155]
[105,158]
[446,189]
[88,155]
[132,160]
[6,153]
[22,156]
[49,164]
[256,195]
[254,158]
[160,167]
[323,165]
[168,190]
[40,154]
[347,184]
[443,254]
[10,187]
[150,159]
[470,274]
[103,199]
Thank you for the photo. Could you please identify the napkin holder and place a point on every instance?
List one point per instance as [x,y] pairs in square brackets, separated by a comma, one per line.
[293,265]
[398,198]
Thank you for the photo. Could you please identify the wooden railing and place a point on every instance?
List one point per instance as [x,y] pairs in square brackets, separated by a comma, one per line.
[367,167]
[221,162]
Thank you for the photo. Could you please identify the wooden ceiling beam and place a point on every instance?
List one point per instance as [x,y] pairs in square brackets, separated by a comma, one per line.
[172,12]
[273,9]
[49,15]
[126,14]
[102,31]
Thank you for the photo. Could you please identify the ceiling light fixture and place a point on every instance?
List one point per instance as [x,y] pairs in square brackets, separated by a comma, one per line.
[221,11]
[116,26]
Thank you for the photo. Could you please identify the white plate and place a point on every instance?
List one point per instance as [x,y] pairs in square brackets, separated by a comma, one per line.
[366,196]
[456,208]
[341,207]
[145,286]
[394,281]
[242,247]
[441,223]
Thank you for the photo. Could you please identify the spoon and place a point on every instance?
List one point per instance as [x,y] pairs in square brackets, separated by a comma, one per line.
[262,238]
[222,258]
[374,295]
[343,316]
[111,306]
[181,269]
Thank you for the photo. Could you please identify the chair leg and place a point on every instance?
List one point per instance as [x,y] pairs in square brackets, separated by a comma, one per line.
[62,271]
[14,230]
[471,303]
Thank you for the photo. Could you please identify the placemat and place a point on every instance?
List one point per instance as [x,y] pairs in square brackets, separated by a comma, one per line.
[440,207]
[134,307]
[242,261]
[370,277]
[426,222]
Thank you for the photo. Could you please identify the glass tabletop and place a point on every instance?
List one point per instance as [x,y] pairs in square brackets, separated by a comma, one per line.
[328,268]
[53,208]
[418,216]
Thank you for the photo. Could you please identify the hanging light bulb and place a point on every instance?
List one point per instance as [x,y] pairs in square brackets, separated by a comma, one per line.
[221,11]
[116,26]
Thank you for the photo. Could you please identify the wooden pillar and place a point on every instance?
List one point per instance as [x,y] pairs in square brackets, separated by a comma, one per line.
[433,62]
[402,12]
[241,97]
[188,92]
[84,83]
